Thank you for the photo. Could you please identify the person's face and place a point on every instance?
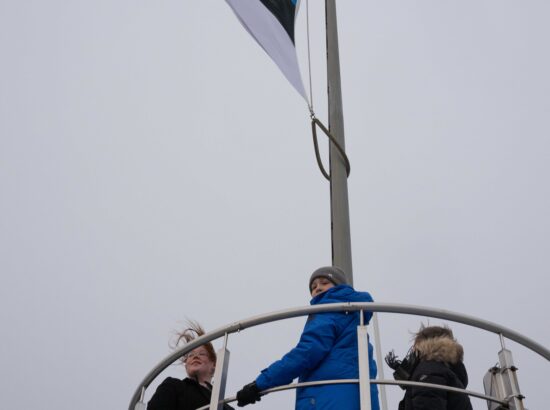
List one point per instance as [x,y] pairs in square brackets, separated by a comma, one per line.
[198,364]
[320,285]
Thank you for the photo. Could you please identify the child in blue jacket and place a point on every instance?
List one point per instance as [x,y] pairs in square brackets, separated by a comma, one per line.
[327,350]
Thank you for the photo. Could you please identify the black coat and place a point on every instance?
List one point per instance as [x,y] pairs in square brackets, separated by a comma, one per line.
[175,394]
[431,371]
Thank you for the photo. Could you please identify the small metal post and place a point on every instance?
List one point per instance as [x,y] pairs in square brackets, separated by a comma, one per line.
[509,376]
[364,374]
[501,380]
[140,405]
[378,346]
[502,344]
[220,377]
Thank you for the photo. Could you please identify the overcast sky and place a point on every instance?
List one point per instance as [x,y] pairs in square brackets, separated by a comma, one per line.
[155,165]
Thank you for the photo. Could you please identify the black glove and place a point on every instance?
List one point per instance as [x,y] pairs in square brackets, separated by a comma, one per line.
[249,394]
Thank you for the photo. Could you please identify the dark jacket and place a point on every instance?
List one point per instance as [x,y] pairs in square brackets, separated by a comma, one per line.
[440,363]
[327,350]
[176,394]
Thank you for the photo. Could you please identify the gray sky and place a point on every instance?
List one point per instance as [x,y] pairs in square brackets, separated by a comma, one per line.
[155,165]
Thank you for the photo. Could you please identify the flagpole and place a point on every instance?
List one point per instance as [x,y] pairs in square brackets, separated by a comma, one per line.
[339,206]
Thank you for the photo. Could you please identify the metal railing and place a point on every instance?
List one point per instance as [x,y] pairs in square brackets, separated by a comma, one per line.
[512,402]
[378,381]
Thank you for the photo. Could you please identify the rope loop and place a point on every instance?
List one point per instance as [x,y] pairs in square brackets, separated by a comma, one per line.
[314,124]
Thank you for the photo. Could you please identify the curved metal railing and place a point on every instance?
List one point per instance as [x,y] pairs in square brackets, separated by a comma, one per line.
[137,399]
[356,381]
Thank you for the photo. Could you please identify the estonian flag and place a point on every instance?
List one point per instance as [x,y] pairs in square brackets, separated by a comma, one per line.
[271,23]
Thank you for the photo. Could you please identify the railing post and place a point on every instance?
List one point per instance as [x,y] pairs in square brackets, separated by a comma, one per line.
[378,349]
[220,377]
[140,405]
[501,381]
[364,373]
[511,385]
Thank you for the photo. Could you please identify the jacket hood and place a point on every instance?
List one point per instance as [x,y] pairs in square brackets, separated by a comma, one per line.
[460,372]
[340,294]
[440,349]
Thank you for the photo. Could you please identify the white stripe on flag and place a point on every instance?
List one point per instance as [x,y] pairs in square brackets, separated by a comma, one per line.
[268,32]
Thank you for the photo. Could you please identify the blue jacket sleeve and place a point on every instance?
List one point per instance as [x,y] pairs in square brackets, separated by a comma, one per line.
[317,339]
[366,297]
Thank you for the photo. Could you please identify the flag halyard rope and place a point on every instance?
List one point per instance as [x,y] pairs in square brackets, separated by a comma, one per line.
[315,122]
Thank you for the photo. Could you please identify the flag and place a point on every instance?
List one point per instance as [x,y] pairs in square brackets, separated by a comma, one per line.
[271,23]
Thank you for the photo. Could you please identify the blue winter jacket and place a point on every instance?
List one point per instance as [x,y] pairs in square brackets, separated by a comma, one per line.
[327,350]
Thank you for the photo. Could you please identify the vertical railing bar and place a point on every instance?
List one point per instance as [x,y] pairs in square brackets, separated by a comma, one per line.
[220,376]
[378,347]
[502,344]
[364,366]
[140,405]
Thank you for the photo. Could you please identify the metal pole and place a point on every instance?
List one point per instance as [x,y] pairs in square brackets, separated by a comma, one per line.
[509,378]
[339,207]
[140,405]
[364,373]
[220,377]
[380,360]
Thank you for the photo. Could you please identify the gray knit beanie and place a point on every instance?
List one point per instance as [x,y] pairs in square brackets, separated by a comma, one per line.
[332,273]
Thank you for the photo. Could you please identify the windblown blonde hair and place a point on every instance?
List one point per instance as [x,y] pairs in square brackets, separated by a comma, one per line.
[190,333]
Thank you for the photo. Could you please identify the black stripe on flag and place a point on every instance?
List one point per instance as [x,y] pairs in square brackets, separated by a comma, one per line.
[284,11]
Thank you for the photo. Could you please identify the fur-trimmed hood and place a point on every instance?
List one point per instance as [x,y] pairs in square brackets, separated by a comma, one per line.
[440,349]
